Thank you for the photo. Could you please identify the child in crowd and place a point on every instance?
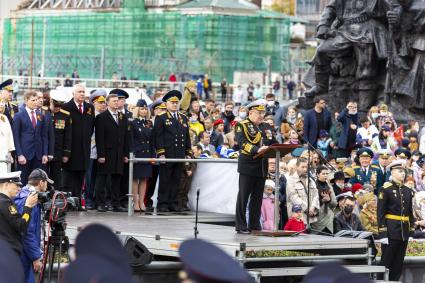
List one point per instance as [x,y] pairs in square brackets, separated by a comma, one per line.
[295,223]
[267,207]
[323,142]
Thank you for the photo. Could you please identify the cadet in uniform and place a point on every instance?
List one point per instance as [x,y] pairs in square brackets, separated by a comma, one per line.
[252,172]
[10,108]
[395,219]
[172,140]
[367,173]
[61,122]
[13,225]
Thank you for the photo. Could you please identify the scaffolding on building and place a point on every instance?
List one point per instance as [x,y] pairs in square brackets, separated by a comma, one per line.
[137,44]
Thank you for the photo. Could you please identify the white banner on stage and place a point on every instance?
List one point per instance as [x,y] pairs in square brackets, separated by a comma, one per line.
[218,184]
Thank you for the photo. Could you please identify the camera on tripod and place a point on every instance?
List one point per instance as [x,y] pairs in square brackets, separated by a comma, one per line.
[55,204]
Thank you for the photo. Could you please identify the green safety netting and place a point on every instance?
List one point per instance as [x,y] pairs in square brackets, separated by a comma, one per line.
[144,45]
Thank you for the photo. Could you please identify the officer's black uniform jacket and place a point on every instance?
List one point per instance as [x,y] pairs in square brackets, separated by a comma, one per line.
[13,225]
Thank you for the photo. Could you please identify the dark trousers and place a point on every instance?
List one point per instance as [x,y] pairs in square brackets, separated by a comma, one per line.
[56,174]
[28,168]
[251,188]
[184,189]
[89,193]
[393,257]
[150,190]
[169,182]
[101,189]
[73,182]
[124,186]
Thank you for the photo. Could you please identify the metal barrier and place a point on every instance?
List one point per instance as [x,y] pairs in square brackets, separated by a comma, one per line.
[133,160]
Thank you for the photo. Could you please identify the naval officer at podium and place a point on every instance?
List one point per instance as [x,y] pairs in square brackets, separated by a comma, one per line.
[253,137]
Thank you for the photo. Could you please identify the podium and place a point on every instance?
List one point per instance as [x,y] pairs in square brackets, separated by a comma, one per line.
[275,151]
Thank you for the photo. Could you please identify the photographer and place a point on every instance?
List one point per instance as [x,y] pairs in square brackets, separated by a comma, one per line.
[31,256]
[12,223]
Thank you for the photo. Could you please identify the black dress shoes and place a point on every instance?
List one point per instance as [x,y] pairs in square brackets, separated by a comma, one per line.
[163,209]
[244,232]
[119,209]
[101,208]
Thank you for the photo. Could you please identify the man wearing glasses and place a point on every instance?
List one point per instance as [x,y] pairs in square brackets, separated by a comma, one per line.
[252,137]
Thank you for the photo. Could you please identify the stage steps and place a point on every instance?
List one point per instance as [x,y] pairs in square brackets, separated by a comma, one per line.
[301,271]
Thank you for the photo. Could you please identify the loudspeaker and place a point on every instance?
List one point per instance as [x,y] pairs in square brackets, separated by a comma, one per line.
[137,253]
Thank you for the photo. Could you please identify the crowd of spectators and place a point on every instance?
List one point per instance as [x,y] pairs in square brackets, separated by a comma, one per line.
[343,181]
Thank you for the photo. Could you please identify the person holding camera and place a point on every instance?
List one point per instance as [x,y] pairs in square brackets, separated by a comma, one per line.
[13,224]
[31,255]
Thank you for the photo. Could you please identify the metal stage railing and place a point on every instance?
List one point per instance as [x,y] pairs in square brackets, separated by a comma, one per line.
[133,160]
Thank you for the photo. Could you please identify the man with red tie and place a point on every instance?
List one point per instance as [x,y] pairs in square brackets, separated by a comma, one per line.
[82,115]
[30,137]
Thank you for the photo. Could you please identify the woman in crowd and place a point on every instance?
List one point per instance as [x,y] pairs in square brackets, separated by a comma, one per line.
[383,141]
[142,147]
[327,202]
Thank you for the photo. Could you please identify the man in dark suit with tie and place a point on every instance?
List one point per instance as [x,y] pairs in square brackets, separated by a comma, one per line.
[30,137]
[82,115]
[172,140]
[112,143]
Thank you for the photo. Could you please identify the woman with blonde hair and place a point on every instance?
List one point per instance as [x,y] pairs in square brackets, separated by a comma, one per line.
[142,147]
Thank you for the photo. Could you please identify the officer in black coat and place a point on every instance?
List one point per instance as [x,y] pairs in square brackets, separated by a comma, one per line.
[395,219]
[112,144]
[122,97]
[62,132]
[252,138]
[10,108]
[157,107]
[82,115]
[172,140]
[13,225]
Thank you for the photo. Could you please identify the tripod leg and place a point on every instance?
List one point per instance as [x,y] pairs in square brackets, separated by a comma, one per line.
[52,260]
[59,258]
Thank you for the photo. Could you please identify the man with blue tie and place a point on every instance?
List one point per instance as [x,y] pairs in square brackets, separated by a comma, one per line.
[30,137]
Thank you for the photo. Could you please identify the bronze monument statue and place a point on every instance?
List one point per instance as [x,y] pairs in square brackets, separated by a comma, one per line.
[372,51]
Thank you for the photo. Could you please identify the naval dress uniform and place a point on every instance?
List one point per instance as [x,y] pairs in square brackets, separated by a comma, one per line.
[252,172]
[172,140]
[395,222]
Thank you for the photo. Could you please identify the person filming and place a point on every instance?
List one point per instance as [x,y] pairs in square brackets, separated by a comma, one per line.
[14,224]
[31,255]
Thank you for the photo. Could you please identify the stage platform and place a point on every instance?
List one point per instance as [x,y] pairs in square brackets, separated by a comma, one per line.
[162,235]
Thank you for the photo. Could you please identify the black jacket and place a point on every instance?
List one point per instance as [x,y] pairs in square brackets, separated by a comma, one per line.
[395,211]
[82,130]
[172,136]
[142,138]
[250,138]
[112,142]
[62,127]
[13,225]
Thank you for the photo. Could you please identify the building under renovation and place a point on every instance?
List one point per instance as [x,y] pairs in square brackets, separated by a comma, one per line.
[144,39]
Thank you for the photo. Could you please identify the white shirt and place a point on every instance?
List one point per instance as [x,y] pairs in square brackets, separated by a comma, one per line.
[78,105]
[114,115]
[30,114]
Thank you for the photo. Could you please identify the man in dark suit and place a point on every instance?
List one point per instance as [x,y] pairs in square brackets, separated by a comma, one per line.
[82,115]
[112,143]
[316,119]
[172,140]
[30,137]
[122,96]
[10,108]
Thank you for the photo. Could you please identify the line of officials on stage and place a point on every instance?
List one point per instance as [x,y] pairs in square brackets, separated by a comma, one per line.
[60,140]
